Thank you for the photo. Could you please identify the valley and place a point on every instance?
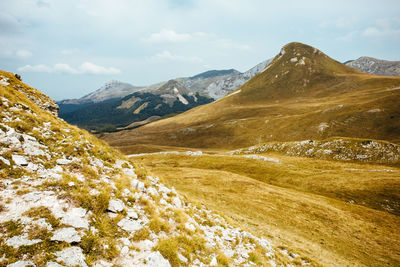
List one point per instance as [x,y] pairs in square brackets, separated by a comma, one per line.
[339,214]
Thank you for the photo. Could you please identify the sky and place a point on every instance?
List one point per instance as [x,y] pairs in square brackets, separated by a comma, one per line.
[69,48]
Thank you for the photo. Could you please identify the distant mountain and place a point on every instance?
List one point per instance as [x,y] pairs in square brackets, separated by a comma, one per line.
[375,66]
[214,73]
[110,90]
[113,106]
[302,94]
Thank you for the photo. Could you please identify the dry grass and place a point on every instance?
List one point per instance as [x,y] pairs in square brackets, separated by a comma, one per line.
[303,207]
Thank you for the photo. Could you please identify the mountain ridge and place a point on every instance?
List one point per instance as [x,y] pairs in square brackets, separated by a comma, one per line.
[302,94]
[375,66]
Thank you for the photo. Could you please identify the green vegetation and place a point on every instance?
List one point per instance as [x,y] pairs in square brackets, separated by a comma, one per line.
[107,117]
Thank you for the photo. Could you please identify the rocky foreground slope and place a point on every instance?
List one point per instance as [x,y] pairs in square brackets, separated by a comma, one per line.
[68,199]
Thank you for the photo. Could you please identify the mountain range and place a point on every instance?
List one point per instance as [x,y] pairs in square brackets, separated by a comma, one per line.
[117,105]
[302,94]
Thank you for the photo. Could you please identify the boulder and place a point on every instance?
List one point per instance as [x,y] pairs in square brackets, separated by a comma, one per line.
[130,225]
[116,205]
[72,256]
[19,160]
[68,235]
[155,259]
[21,264]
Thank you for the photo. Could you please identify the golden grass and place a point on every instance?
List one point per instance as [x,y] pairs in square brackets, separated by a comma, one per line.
[304,208]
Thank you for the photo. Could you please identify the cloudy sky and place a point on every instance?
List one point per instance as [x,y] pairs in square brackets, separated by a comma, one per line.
[68,48]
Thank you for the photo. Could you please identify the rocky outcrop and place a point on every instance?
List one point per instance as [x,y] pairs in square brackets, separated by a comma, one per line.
[376,66]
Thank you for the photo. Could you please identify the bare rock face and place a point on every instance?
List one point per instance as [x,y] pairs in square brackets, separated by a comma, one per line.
[155,259]
[69,235]
[376,66]
[72,256]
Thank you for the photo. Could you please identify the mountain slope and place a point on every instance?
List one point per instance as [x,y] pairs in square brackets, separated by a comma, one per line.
[376,66]
[302,94]
[181,94]
[68,198]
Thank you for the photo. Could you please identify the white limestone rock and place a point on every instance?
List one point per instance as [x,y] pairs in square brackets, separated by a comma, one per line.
[53,264]
[214,262]
[76,218]
[155,259]
[190,227]
[68,235]
[63,161]
[116,205]
[130,225]
[182,258]
[177,202]
[132,214]
[21,264]
[72,256]
[5,161]
[138,185]
[18,241]
[19,160]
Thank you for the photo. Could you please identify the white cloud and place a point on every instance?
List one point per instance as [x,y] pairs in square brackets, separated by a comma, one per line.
[166,55]
[383,28]
[88,67]
[36,68]
[168,36]
[23,53]
[84,68]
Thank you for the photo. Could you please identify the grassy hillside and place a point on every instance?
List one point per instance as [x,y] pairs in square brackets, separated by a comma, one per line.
[302,94]
[342,214]
[69,199]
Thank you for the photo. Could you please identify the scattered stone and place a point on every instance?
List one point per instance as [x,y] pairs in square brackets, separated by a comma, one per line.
[5,161]
[190,227]
[21,264]
[18,241]
[214,262]
[53,264]
[132,214]
[19,160]
[116,205]
[75,218]
[182,258]
[138,185]
[155,259]
[177,202]
[68,235]
[72,256]
[152,191]
[130,225]
[63,161]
